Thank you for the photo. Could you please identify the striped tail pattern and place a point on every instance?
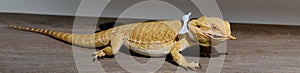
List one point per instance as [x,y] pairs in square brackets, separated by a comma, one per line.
[86,40]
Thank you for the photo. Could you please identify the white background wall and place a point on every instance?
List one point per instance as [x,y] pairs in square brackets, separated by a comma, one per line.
[284,12]
[262,11]
[53,7]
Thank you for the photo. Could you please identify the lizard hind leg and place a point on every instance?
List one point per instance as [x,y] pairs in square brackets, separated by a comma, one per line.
[107,51]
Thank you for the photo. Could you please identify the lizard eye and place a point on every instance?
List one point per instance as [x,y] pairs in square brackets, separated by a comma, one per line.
[198,26]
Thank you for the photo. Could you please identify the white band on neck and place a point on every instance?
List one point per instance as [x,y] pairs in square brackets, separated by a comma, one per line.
[185,19]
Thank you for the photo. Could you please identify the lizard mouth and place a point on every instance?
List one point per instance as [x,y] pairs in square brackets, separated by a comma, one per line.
[220,37]
[217,36]
[213,36]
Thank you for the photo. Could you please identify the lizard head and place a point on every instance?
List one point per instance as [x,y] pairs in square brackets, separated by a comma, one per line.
[206,29]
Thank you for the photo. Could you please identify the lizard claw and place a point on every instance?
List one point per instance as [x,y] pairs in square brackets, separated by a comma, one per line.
[193,66]
[98,54]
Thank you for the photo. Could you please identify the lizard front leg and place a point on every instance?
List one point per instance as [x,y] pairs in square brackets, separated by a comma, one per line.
[180,60]
[205,51]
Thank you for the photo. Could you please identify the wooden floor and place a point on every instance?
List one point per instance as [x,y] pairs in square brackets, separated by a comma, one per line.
[259,48]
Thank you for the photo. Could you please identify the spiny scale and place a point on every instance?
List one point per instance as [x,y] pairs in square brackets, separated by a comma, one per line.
[150,32]
[86,40]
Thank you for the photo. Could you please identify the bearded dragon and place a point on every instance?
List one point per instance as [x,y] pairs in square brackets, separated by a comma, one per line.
[154,38]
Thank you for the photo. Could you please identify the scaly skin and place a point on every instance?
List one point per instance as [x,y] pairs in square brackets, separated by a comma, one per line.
[86,40]
[155,38]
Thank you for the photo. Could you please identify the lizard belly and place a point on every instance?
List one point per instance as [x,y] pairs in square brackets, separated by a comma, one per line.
[157,49]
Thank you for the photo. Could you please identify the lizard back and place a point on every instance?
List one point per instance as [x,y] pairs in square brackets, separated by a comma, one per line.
[152,32]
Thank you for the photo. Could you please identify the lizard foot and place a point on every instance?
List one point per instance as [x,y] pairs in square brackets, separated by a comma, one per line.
[192,66]
[98,54]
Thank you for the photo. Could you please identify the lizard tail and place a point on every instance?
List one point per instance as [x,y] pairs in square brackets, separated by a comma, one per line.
[86,40]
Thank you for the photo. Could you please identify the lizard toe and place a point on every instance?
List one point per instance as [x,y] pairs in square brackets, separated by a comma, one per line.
[194,66]
[97,55]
